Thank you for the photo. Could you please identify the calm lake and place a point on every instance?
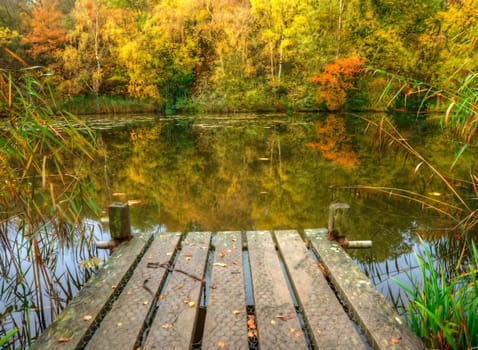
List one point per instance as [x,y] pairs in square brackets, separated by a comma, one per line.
[247,172]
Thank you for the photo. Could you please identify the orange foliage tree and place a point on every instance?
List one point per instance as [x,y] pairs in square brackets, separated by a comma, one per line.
[336,81]
[46,33]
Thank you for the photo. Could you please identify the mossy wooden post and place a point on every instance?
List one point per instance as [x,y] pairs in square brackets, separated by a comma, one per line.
[338,218]
[120,227]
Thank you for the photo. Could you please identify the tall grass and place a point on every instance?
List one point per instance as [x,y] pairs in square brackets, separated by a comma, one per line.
[442,308]
[444,312]
[43,197]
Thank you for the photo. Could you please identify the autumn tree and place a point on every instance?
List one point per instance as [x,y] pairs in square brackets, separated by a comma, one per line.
[83,57]
[46,35]
[337,81]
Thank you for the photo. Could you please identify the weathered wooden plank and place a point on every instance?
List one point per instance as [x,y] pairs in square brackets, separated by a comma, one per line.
[226,318]
[272,297]
[175,320]
[329,325]
[71,325]
[122,325]
[382,326]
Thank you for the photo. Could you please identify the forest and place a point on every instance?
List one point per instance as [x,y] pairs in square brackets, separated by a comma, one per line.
[235,55]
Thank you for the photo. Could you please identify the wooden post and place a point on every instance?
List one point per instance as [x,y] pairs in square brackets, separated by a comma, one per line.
[338,218]
[120,227]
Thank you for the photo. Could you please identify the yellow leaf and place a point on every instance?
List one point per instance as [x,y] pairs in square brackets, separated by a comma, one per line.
[284,317]
[220,264]
[87,317]
[191,304]
[167,326]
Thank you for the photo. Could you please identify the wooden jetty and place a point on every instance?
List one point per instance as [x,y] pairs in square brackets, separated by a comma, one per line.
[229,290]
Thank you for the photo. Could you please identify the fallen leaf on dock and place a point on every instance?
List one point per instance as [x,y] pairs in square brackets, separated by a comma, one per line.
[63,340]
[113,286]
[222,254]
[284,317]
[221,344]
[167,326]
[251,324]
[191,304]
[87,317]
[236,312]
[324,272]
[220,264]
[395,341]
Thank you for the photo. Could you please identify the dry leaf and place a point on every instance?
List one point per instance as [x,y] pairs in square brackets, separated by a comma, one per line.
[145,302]
[63,340]
[162,297]
[87,318]
[273,322]
[395,340]
[113,286]
[221,344]
[236,312]
[220,264]
[167,326]
[222,254]
[284,317]
[187,255]
[120,324]
[191,304]
[324,272]
[179,286]
[251,324]
[213,286]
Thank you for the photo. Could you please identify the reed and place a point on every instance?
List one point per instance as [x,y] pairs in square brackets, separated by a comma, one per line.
[442,311]
[43,197]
